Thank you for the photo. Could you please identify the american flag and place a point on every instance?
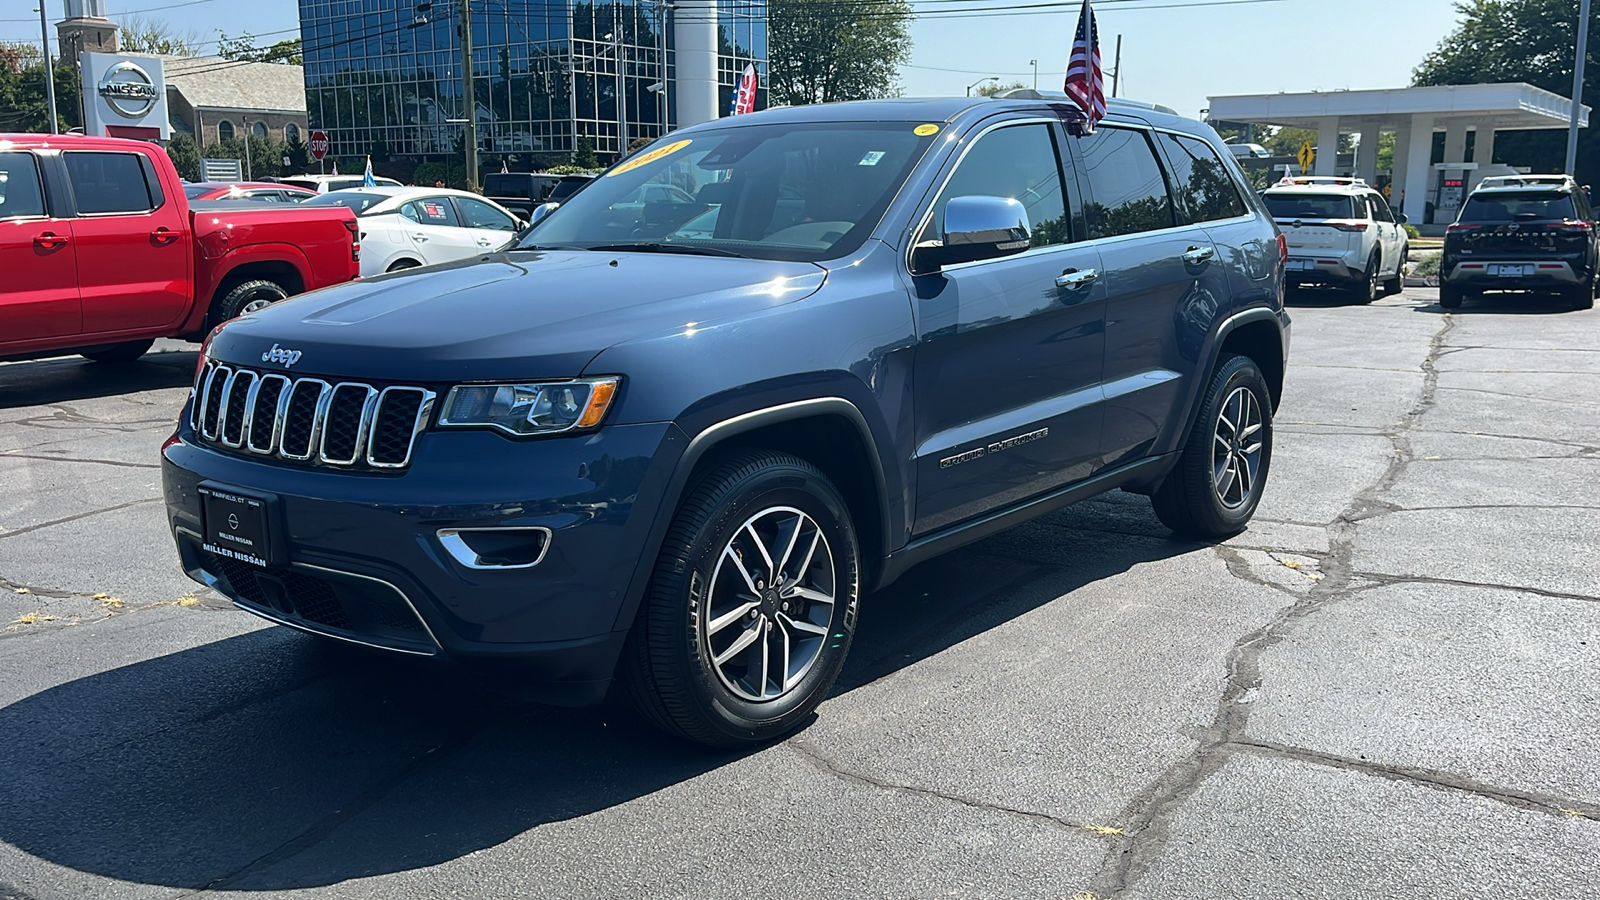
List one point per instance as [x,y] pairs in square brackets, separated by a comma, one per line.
[1086,80]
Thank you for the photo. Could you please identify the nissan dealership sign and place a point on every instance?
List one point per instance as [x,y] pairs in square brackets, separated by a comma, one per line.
[129,96]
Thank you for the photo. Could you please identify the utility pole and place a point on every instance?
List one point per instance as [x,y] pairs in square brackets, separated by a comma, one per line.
[1577,88]
[471,94]
[50,68]
[1116,66]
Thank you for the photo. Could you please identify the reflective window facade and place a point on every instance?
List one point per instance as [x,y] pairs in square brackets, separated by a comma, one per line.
[382,77]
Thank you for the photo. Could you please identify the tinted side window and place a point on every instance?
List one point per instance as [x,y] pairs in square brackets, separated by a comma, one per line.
[1380,209]
[1018,162]
[1130,191]
[477,214]
[108,182]
[1204,190]
[20,195]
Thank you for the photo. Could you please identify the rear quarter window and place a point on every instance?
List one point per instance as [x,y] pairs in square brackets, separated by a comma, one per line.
[1200,182]
[20,193]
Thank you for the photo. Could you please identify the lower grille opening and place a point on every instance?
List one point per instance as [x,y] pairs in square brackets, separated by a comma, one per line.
[365,611]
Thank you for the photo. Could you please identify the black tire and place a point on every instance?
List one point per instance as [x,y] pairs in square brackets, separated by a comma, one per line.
[117,353]
[1190,500]
[668,670]
[1395,285]
[234,303]
[1582,296]
[401,265]
[1366,290]
[1450,297]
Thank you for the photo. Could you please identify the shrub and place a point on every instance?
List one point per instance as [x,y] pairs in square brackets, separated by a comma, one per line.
[1411,230]
[1428,266]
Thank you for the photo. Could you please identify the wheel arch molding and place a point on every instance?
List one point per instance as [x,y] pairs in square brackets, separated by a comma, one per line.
[830,431]
[1260,333]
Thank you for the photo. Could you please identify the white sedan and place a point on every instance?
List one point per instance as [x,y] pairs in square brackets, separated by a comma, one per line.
[406,227]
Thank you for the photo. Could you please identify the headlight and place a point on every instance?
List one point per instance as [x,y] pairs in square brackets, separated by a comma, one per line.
[522,409]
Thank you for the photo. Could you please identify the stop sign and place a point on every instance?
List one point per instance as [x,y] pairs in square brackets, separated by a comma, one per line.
[319,144]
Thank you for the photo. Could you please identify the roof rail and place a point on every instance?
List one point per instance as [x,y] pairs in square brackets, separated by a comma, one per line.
[1036,94]
[1500,181]
[1322,179]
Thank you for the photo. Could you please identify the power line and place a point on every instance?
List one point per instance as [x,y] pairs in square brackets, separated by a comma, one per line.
[134,12]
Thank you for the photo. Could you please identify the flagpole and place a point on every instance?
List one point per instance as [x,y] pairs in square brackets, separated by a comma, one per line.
[1116,67]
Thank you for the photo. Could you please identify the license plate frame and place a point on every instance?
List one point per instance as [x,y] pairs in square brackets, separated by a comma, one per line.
[238,524]
[1512,270]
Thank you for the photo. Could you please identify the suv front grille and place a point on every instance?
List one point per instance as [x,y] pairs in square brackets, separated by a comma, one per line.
[346,424]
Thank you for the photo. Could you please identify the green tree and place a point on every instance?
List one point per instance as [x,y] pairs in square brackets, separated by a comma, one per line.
[185,155]
[23,103]
[990,89]
[1522,40]
[244,47]
[584,156]
[299,156]
[821,51]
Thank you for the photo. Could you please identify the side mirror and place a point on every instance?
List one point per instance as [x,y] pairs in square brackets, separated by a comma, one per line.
[1400,218]
[976,228]
[540,211]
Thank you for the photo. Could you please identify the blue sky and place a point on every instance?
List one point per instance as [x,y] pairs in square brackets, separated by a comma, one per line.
[1176,57]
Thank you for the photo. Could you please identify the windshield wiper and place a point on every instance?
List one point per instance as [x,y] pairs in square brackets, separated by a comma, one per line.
[658,247]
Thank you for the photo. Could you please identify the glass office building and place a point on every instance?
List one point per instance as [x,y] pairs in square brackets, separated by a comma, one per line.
[384,76]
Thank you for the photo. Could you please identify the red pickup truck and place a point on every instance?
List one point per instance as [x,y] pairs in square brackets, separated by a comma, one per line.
[101,253]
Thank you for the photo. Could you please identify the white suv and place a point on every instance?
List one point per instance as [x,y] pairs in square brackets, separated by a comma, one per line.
[1341,232]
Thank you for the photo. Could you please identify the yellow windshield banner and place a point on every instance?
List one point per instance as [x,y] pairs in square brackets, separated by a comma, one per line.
[645,159]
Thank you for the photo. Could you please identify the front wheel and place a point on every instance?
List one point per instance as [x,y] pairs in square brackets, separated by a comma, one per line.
[1217,484]
[752,606]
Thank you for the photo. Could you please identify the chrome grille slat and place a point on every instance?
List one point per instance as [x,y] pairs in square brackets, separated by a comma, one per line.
[349,424]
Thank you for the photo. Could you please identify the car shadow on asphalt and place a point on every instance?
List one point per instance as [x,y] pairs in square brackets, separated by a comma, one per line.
[1319,298]
[42,382]
[275,760]
[1505,304]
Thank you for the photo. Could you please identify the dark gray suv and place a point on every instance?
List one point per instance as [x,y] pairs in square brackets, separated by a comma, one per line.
[743,379]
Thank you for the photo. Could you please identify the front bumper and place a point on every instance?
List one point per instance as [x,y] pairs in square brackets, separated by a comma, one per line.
[1488,275]
[357,555]
[1319,267]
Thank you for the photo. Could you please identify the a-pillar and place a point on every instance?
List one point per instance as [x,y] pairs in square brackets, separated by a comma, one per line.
[1327,160]
[1367,155]
[1413,158]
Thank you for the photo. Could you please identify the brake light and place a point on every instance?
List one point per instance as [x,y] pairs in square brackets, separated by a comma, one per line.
[1462,226]
[355,240]
[1283,248]
[1348,226]
[1571,226]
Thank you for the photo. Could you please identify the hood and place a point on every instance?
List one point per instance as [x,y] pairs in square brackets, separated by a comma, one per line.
[519,315]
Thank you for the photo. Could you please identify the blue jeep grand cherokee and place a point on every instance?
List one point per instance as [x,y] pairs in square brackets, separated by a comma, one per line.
[752,373]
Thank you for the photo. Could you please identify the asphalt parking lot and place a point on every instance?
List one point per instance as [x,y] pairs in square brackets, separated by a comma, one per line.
[1388,686]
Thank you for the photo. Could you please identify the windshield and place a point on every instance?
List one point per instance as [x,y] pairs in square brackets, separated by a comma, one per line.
[356,201]
[194,190]
[1311,206]
[1510,206]
[800,192]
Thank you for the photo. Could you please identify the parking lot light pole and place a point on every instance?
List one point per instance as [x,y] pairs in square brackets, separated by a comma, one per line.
[50,69]
[1577,89]
[980,81]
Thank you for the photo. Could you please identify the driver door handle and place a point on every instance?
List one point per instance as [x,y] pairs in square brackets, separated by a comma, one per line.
[1198,255]
[485,242]
[1073,279]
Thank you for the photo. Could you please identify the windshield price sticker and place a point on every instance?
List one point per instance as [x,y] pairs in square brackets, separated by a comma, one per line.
[925,130]
[645,159]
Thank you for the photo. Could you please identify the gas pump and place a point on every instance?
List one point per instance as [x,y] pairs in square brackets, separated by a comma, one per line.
[1448,195]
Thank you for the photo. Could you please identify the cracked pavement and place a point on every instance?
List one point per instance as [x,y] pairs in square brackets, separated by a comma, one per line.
[1387,686]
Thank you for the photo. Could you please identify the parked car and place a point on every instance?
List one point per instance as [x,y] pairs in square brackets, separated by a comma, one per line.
[1341,233]
[322,184]
[102,253]
[402,228]
[1249,151]
[519,192]
[1521,233]
[259,192]
[686,460]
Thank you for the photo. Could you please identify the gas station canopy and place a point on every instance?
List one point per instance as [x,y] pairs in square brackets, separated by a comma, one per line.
[1413,114]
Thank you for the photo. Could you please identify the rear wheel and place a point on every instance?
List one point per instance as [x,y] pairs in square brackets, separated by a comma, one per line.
[117,353]
[752,606]
[1582,296]
[1450,296]
[1219,479]
[402,265]
[1366,290]
[248,297]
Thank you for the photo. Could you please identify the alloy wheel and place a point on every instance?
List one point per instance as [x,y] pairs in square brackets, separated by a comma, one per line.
[262,300]
[1236,448]
[770,605]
